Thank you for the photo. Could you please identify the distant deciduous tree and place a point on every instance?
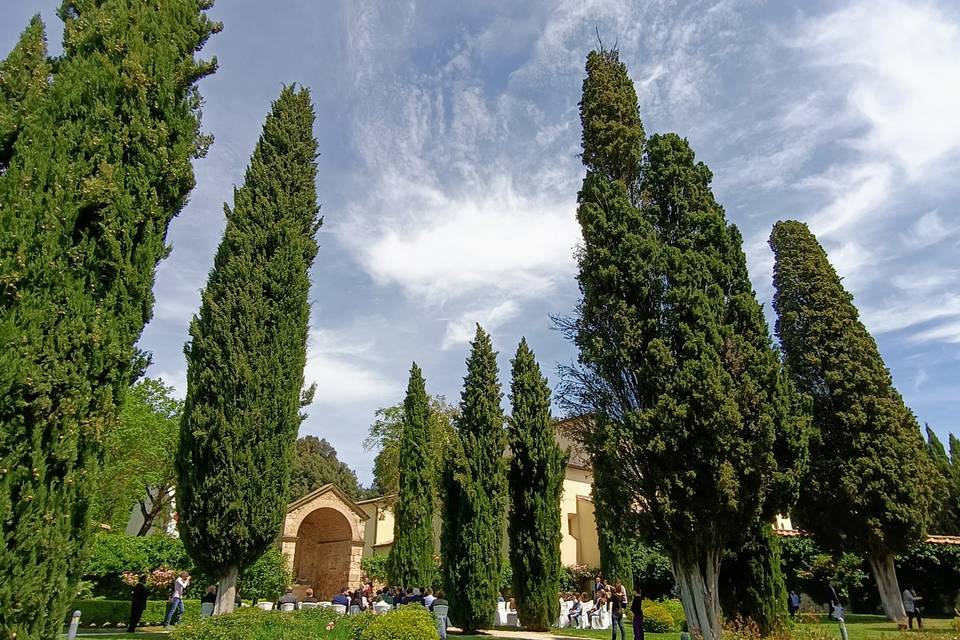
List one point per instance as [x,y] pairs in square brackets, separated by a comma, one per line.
[315,464]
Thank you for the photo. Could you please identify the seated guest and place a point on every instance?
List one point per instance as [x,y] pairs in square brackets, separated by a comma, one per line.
[439,601]
[428,598]
[600,603]
[358,600]
[287,598]
[385,596]
[341,598]
[308,596]
[573,617]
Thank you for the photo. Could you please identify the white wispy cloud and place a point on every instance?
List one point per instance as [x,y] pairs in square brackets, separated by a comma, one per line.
[462,329]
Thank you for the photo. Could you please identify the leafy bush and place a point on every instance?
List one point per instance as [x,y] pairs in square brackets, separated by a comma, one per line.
[101,613]
[574,577]
[411,622]
[652,571]
[266,578]
[375,568]
[657,618]
[252,623]
[675,607]
[360,622]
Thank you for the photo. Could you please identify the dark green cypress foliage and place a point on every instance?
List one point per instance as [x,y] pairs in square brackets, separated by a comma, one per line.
[411,556]
[24,75]
[475,495]
[752,584]
[535,479]
[870,482]
[95,170]
[247,353]
[675,354]
[946,518]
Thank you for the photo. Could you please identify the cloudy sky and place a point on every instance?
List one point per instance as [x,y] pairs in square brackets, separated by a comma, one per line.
[449,136]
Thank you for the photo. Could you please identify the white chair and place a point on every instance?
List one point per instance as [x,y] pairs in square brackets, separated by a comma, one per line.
[288,606]
[501,614]
[266,606]
[381,607]
[512,619]
[354,609]
[601,619]
[584,618]
[339,608]
[564,612]
[440,612]
[206,609]
[309,605]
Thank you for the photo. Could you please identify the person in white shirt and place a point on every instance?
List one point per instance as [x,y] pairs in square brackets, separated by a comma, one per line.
[910,600]
[176,599]
[428,599]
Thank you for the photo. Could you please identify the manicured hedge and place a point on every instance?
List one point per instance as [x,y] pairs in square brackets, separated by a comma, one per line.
[657,618]
[100,613]
[250,623]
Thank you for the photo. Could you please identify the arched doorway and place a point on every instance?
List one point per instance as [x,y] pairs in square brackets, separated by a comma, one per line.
[322,559]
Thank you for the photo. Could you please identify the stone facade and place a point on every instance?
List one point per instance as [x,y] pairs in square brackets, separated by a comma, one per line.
[323,536]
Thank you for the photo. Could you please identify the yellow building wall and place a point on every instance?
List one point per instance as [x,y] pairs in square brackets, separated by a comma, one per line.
[577,524]
[379,531]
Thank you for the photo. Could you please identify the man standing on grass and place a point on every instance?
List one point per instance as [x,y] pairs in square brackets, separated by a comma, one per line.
[138,602]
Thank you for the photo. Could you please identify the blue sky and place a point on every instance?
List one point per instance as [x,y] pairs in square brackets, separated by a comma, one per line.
[449,136]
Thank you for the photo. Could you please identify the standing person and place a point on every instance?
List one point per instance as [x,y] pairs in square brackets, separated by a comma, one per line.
[138,602]
[910,600]
[176,599]
[621,592]
[616,614]
[598,585]
[793,604]
[636,608]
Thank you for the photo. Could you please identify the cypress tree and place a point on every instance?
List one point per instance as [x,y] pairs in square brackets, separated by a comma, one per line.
[946,518]
[97,163]
[411,556]
[475,495]
[535,478]
[675,354]
[247,353]
[24,75]
[870,482]
[752,584]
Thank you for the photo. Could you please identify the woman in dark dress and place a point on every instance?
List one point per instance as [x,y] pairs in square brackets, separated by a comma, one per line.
[636,608]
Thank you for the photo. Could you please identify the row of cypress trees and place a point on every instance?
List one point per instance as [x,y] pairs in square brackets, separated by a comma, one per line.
[707,427]
[478,483]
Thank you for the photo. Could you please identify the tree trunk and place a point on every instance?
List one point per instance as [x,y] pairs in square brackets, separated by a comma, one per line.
[699,579]
[226,592]
[885,575]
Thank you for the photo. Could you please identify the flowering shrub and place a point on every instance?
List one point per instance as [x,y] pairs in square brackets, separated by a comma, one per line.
[129,578]
[161,578]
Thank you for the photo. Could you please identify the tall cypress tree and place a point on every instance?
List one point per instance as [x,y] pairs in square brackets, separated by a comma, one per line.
[97,163]
[870,482]
[411,556]
[946,518]
[675,354]
[247,353]
[535,479]
[475,495]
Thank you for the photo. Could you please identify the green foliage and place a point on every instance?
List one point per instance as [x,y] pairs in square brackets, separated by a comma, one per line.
[23,82]
[248,349]
[675,607]
[411,555]
[267,577]
[693,416]
[809,569]
[535,479]
[752,584]
[651,570]
[946,518]
[385,435]
[657,618]
[375,567]
[315,464]
[138,455]
[474,490]
[870,485]
[411,622]
[252,623]
[100,613]
[98,164]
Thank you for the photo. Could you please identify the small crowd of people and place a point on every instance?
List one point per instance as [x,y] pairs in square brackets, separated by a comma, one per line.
[607,597]
[364,597]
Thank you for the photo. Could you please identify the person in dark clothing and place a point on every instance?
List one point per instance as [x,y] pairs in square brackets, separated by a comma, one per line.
[616,616]
[636,608]
[138,602]
[210,595]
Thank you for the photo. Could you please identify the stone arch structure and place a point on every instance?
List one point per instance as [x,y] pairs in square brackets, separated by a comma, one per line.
[322,539]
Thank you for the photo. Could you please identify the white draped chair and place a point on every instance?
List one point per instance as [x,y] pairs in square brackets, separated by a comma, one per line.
[266,606]
[206,609]
[339,608]
[309,605]
[288,606]
[501,614]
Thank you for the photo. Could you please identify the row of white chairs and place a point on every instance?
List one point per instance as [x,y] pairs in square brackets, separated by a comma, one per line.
[599,619]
